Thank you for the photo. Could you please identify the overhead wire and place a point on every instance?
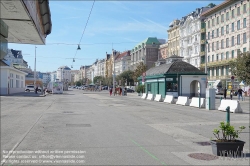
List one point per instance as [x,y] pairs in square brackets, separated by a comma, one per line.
[84,29]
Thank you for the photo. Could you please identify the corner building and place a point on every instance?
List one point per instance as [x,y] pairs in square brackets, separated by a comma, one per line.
[227,31]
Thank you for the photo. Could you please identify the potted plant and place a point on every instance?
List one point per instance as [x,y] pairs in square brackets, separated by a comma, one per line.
[227,140]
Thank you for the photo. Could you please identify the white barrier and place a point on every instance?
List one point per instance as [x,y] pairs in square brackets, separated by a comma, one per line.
[158,98]
[150,97]
[233,104]
[144,96]
[182,100]
[169,99]
[195,102]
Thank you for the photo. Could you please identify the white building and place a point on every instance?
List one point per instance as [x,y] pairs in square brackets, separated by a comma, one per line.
[15,57]
[190,30]
[63,74]
[53,76]
[122,62]
[12,79]
[46,78]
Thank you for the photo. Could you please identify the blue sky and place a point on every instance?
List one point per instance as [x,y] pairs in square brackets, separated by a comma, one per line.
[123,23]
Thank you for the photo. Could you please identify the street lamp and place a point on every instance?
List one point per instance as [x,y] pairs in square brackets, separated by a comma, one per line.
[35,69]
[114,53]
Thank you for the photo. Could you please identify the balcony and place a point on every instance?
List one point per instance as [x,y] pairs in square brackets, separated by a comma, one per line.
[202,53]
[203,30]
[218,77]
[203,41]
[217,63]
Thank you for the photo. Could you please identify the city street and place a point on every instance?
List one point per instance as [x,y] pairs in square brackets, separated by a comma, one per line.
[99,129]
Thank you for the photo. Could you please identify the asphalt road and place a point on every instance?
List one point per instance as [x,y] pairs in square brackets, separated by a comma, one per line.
[93,128]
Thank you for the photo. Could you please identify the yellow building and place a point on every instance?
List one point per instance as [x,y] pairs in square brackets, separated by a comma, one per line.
[173,38]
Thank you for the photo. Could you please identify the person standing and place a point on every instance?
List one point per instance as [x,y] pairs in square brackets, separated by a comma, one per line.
[225,93]
[231,94]
[110,91]
[240,94]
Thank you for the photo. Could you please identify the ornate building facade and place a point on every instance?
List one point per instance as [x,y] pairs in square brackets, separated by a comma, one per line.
[190,36]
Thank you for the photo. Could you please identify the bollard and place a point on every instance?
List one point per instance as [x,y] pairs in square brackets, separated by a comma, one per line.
[228,114]
[199,101]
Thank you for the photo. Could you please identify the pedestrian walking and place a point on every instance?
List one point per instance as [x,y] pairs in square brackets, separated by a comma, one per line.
[36,89]
[240,94]
[225,93]
[231,94]
[110,91]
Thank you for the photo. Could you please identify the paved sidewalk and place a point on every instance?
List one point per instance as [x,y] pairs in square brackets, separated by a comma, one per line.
[27,94]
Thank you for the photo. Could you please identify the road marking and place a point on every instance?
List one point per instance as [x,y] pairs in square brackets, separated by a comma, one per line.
[22,138]
[150,154]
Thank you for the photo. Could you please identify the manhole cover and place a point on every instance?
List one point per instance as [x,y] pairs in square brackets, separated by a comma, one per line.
[203,156]
[78,125]
[203,143]
[67,112]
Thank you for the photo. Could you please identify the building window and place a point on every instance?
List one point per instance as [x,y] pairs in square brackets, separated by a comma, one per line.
[222,18]
[196,62]
[212,58]
[212,34]
[222,56]
[208,72]
[227,70]
[209,24]
[232,41]
[222,31]
[245,49]
[212,71]
[208,58]
[17,83]
[227,55]
[227,29]
[232,27]
[232,53]
[222,70]
[227,42]
[238,52]
[208,47]
[233,13]
[217,57]
[208,35]
[217,20]
[238,39]
[244,8]
[244,37]
[238,11]
[11,80]
[238,25]
[212,22]
[213,46]
[227,16]
[217,33]
[244,23]
[222,44]
[217,45]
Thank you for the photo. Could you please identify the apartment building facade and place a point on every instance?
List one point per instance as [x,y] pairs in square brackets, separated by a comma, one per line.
[174,38]
[122,62]
[163,51]
[227,31]
[146,52]
[190,36]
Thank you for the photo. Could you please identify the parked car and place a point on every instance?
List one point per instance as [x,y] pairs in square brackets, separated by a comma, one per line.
[29,88]
[130,90]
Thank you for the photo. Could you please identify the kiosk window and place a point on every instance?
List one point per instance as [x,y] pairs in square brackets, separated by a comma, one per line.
[172,86]
[149,87]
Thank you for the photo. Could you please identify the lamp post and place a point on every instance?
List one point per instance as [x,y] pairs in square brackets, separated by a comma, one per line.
[206,61]
[114,53]
[35,70]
